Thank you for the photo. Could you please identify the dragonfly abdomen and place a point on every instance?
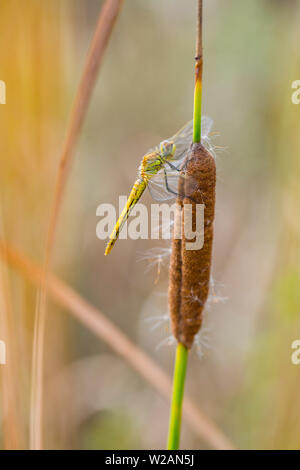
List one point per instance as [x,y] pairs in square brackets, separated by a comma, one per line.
[136,192]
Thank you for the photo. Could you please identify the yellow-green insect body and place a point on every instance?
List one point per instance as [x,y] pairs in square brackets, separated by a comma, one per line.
[157,171]
[151,164]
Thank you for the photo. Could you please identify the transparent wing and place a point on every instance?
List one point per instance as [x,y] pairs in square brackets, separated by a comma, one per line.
[165,185]
[206,126]
[183,138]
[186,132]
[158,188]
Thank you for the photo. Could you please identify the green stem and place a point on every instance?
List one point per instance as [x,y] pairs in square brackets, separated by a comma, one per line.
[198,78]
[182,351]
[177,397]
[197,105]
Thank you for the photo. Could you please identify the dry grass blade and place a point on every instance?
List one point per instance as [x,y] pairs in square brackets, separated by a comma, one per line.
[12,423]
[107,18]
[10,384]
[102,327]
[108,15]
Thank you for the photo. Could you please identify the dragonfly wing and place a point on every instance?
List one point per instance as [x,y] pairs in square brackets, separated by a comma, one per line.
[206,126]
[186,132]
[184,137]
[157,188]
[159,194]
[182,184]
[166,185]
[187,185]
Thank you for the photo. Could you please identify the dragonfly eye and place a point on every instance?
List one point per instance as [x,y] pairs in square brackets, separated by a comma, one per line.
[167,148]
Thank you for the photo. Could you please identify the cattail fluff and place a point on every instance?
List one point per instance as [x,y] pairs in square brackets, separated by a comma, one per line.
[190,269]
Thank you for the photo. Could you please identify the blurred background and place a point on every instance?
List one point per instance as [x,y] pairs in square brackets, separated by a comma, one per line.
[240,372]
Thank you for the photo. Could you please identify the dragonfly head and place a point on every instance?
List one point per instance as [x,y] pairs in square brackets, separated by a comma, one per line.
[167,148]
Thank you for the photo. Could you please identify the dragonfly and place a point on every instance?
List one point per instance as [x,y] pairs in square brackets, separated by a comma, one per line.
[160,170]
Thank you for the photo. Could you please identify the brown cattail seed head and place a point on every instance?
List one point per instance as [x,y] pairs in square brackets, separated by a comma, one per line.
[190,268]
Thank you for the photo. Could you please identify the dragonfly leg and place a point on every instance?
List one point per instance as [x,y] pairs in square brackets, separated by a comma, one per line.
[171,190]
[167,185]
[172,166]
[182,167]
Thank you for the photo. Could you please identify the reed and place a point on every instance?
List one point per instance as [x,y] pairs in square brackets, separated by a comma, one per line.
[104,27]
[104,329]
[190,269]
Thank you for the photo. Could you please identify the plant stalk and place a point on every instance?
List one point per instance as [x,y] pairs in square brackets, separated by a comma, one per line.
[198,77]
[104,27]
[98,324]
[177,397]
[182,351]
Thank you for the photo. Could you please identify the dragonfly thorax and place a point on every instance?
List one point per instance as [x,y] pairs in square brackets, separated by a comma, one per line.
[167,149]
